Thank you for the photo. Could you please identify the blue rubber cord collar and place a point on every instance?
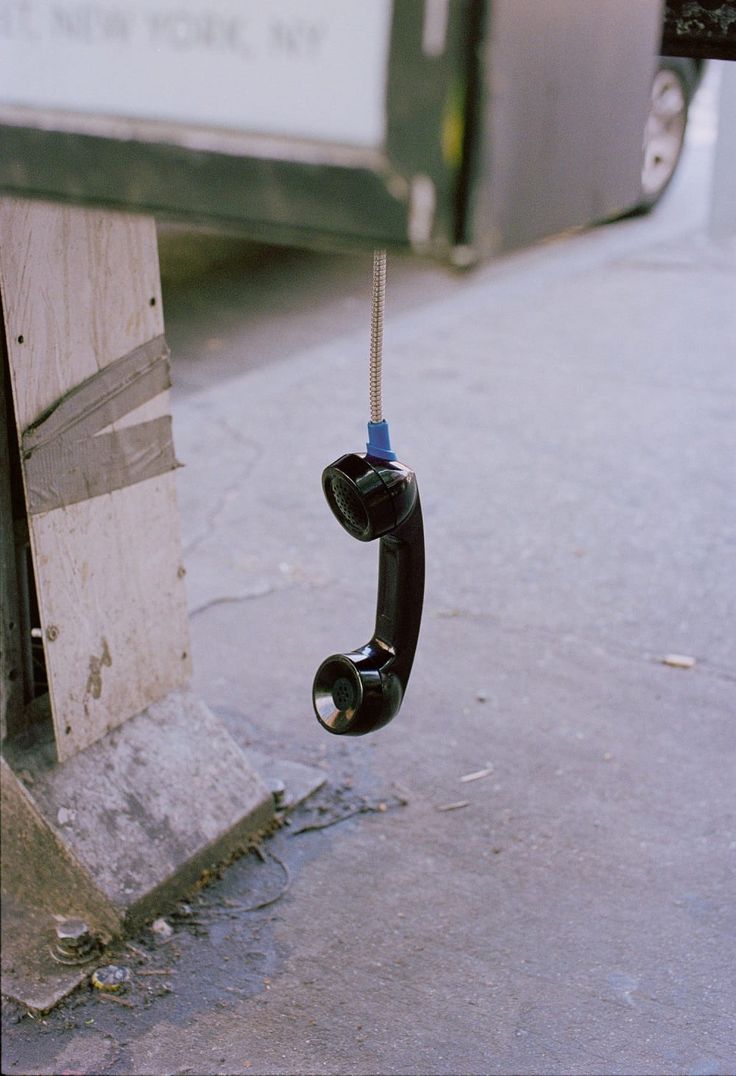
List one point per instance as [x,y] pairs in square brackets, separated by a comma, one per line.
[379,441]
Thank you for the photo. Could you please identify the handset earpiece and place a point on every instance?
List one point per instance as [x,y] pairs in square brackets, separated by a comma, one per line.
[372,495]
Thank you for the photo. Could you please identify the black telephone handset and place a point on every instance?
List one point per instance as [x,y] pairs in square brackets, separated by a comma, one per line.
[372,498]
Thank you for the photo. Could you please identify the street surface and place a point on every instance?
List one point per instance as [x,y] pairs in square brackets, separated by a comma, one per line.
[531,870]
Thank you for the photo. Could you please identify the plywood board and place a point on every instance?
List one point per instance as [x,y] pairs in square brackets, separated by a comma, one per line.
[11,679]
[80,289]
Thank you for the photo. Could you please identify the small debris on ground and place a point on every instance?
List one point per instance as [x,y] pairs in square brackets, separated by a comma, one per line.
[453,806]
[476,776]
[679,661]
[269,900]
[117,999]
[137,952]
[336,804]
[111,978]
[162,929]
[481,696]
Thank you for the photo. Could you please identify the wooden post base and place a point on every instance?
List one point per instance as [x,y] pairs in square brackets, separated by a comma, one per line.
[117,833]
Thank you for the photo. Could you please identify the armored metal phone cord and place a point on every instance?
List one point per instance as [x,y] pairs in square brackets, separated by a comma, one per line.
[378,445]
[377,305]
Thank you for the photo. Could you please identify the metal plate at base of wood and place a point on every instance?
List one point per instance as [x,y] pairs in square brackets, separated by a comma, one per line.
[43,882]
[81,289]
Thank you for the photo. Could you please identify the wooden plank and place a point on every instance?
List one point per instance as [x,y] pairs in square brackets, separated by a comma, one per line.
[77,289]
[11,678]
[80,289]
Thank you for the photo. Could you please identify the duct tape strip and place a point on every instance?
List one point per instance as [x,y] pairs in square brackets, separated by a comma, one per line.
[66,456]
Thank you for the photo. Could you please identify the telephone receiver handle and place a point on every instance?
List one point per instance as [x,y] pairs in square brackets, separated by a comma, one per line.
[401,592]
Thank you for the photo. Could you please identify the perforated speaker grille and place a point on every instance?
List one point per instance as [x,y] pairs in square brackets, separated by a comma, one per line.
[349,505]
[343,693]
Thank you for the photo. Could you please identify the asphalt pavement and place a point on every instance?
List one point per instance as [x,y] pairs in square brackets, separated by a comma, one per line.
[531,870]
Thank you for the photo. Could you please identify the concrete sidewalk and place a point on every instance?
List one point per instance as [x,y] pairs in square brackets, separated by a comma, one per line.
[570,416]
[575,447]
